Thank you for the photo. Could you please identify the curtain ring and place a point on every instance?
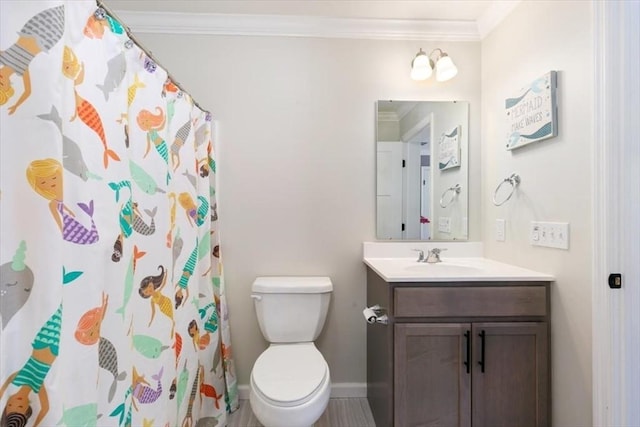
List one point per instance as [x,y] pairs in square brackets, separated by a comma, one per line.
[100,14]
[514,180]
[150,65]
[455,190]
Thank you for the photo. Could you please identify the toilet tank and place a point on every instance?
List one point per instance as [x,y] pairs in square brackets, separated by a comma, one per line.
[291,309]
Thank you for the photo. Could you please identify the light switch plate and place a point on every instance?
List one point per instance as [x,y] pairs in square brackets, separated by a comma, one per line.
[549,234]
[500,230]
[444,224]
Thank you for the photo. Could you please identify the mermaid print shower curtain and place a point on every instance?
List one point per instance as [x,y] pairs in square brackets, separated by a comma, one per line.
[112,304]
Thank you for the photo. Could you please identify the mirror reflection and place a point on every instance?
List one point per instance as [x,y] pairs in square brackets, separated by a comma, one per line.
[422,170]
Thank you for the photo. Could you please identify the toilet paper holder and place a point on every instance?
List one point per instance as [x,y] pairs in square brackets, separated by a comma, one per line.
[375,314]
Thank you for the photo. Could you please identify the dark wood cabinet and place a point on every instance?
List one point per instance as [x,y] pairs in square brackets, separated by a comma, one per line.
[431,385]
[459,354]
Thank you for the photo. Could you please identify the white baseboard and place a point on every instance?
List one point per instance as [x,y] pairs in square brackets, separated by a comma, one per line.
[243,392]
[349,390]
[338,390]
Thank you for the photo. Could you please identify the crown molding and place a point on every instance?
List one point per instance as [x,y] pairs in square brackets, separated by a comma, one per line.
[298,26]
[388,116]
[315,26]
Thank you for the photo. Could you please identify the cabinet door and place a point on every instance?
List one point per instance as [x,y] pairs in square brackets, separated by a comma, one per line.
[432,385]
[510,374]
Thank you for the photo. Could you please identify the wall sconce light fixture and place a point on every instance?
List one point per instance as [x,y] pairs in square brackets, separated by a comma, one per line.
[422,65]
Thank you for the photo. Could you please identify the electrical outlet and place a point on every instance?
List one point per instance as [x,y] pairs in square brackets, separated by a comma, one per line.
[444,224]
[549,234]
[500,230]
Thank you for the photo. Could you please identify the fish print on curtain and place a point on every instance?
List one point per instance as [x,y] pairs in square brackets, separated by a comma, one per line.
[112,303]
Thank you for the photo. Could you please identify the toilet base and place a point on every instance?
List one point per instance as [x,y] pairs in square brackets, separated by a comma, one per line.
[304,415]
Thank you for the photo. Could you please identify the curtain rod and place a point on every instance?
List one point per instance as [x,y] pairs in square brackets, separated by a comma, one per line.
[110,12]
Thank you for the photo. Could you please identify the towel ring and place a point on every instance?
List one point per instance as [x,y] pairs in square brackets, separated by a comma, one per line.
[514,180]
[455,190]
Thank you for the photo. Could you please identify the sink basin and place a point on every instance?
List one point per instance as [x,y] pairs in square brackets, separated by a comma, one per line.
[442,268]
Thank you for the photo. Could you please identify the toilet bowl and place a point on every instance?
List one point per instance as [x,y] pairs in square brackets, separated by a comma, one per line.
[290,385]
[290,382]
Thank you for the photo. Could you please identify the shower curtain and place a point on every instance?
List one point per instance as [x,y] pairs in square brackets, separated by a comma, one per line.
[112,303]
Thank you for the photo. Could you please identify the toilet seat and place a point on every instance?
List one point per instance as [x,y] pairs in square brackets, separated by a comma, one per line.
[289,375]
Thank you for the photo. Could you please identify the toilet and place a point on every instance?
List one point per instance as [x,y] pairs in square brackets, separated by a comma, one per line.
[290,382]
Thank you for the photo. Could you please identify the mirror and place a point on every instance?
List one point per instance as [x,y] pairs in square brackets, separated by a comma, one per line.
[422,170]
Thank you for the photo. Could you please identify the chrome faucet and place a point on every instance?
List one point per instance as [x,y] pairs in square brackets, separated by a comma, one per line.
[420,255]
[433,256]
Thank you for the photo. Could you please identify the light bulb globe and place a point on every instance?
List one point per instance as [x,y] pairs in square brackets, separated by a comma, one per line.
[445,69]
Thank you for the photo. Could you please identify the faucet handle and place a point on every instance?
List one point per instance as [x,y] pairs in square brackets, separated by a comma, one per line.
[420,254]
[436,251]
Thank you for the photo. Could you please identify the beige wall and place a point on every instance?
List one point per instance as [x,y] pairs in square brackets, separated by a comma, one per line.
[296,128]
[537,37]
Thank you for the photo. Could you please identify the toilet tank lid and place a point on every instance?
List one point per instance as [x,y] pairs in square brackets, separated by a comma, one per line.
[292,285]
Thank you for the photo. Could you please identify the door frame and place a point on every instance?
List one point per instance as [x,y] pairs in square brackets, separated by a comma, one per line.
[616,213]
[426,229]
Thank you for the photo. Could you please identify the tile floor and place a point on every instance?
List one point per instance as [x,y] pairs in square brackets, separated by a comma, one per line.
[351,412]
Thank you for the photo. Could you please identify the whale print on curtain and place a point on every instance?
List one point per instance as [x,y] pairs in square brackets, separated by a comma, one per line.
[112,302]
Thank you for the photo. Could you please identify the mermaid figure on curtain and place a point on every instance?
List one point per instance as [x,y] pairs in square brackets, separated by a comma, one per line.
[152,123]
[45,177]
[208,390]
[195,215]
[151,287]
[142,392]
[188,418]
[74,70]
[200,342]
[187,272]
[32,375]
[39,34]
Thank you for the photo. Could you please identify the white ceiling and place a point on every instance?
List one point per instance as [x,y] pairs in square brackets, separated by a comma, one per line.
[458,10]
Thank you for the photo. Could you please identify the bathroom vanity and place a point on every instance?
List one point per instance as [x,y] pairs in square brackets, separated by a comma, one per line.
[466,344]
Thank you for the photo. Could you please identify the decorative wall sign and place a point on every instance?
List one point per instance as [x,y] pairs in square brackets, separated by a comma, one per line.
[449,149]
[533,115]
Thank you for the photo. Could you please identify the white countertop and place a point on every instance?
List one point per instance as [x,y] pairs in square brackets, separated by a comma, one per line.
[453,269]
